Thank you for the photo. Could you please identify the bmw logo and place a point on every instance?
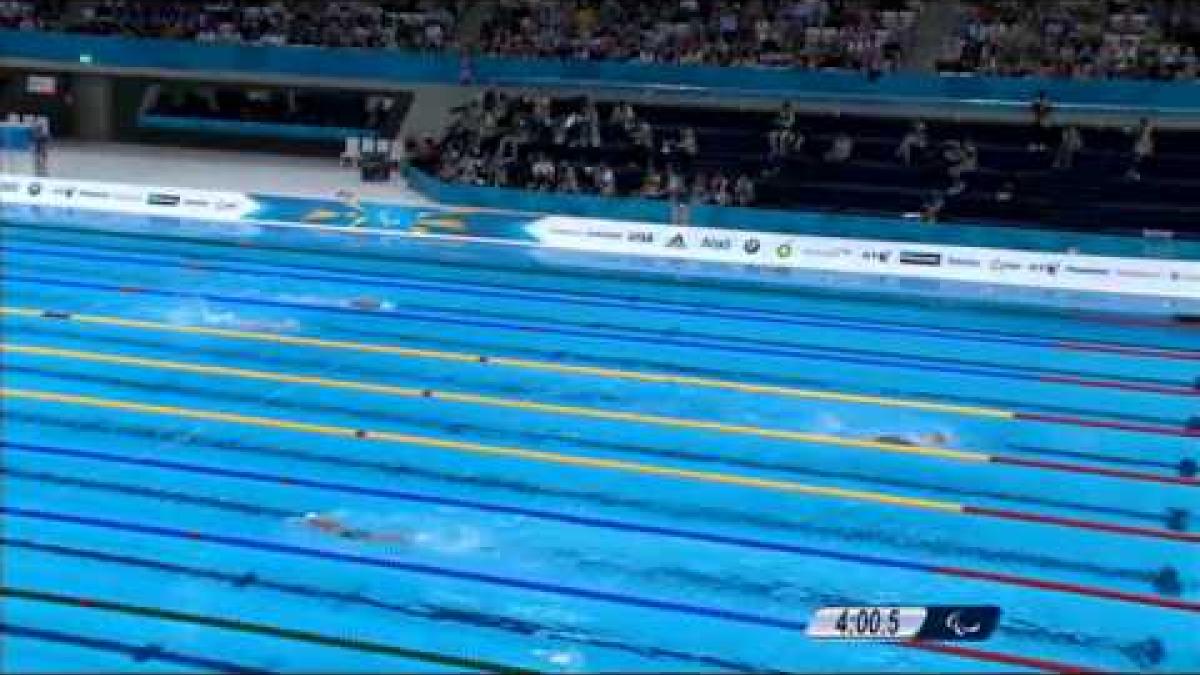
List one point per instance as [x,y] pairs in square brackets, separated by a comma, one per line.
[752,246]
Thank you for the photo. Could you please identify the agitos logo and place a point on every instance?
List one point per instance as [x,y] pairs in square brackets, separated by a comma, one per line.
[676,242]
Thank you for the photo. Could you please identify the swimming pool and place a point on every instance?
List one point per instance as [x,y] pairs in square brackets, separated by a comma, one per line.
[585,471]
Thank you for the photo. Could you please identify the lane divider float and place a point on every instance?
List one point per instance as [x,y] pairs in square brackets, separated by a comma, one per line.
[586,462]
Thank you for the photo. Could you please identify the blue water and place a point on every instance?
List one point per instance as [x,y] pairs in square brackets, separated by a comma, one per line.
[515,557]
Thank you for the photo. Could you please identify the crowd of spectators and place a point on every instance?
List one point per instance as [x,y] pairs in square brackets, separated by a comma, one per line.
[1154,39]
[1136,39]
[392,24]
[574,146]
[578,146]
[849,34]
[20,15]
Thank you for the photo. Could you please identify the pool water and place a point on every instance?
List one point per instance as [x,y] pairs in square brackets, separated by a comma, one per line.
[544,469]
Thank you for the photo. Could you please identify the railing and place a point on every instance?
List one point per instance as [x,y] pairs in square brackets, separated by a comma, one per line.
[989,93]
[805,222]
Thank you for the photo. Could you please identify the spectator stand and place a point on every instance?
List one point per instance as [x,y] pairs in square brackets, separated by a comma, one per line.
[983,172]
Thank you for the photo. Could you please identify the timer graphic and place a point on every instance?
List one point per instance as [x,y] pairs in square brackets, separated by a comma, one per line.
[949,623]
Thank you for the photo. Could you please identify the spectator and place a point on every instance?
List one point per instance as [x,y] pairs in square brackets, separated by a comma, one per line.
[1143,148]
[719,188]
[652,184]
[743,190]
[688,144]
[606,181]
[916,140]
[1040,110]
[1070,144]
[963,160]
[841,149]
[700,189]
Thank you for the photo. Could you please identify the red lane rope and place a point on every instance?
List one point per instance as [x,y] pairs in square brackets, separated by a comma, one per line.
[1094,470]
[1076,589]
[1126,386]
[1149,352]
[1105,424]
[1156,533]
[997,657]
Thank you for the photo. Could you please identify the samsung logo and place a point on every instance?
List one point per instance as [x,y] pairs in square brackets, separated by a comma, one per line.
[160,199]
[10,187]
[1002,265]
[195,202]
[1139,274]
[92,194]
[1090,271]
[954,261]
[604,234]
[925,259]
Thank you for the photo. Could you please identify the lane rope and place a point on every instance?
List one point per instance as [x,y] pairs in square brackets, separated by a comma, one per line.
[599,463]
[852,356]
[601,299]
[244,626]
[587,412]
[610,524]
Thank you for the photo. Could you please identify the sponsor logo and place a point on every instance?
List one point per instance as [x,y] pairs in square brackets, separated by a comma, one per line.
[917,258]
[567,232]
[34,189]
[92,194]
[162,199]
[957,261]
[676,242]
[783,251]
[10,187]
[127,197]
[752,246]
[1045,268]
[719,243]
[877,256]
[1003,265]
[1088,271]
[640,237]
[203,203]
[604,234]
[1181,276]
[1139,274]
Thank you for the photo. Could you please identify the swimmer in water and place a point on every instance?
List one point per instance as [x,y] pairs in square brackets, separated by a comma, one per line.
[933,439]
[332,525]
[369,303]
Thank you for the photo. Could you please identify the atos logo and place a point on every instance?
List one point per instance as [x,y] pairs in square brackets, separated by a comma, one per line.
[1045,268]
[877,256]
[641,237]
[719,243]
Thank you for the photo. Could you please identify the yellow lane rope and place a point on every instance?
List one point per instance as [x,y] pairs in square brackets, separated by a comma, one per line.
[481,449]
[528,364]
[494,401]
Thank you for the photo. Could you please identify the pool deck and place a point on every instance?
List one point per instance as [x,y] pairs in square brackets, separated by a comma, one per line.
[219,170]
